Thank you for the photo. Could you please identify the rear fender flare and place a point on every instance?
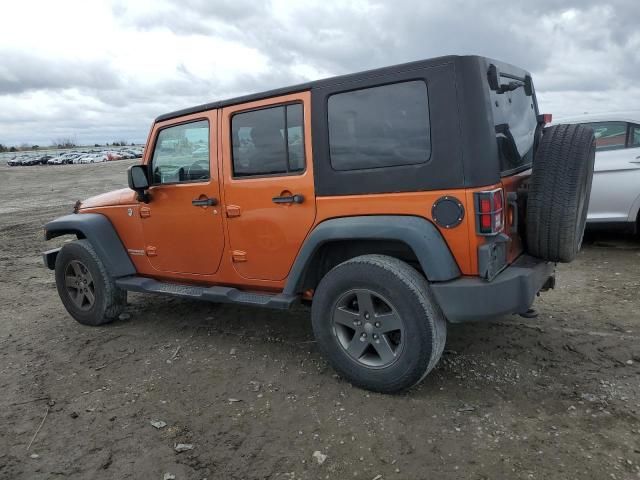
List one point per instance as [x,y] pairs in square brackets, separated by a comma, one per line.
[418,233]
[103,237]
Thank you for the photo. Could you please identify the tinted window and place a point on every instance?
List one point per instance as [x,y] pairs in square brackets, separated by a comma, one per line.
[379,127]
[609,135]
[514,116]
[268,141]
[181,153]
[635,136]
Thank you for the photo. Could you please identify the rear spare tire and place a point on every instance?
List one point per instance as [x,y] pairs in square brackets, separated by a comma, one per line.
[559,192]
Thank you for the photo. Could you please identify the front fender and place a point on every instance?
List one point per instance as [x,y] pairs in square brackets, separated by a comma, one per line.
[421,235]
[103,237]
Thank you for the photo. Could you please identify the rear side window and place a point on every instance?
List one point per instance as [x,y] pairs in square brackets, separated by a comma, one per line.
[181,154]
[376,127]
[635,136]
[609,135]
[268,141]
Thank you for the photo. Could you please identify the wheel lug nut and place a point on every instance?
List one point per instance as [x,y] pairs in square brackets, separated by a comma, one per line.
[377,324]
[366,316]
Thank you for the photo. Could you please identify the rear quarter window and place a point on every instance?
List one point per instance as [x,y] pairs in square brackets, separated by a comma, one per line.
[382,126]
[609,135]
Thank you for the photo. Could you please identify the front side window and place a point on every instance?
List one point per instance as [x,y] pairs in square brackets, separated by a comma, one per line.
[382,126]
[181,154]
[609,135]
[268,141]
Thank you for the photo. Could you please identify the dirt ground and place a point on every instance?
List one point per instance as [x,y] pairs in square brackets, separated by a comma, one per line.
[556,397]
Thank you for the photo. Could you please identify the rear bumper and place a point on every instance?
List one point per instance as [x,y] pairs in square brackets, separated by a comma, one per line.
[512,291]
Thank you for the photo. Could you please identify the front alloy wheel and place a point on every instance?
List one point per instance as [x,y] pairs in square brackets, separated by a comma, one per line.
[79,284]
[85,287]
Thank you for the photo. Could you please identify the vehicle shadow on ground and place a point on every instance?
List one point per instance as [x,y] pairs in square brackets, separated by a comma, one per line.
[483,351]
[610,239]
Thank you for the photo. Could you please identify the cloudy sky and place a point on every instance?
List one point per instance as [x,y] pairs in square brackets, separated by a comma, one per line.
[101,70]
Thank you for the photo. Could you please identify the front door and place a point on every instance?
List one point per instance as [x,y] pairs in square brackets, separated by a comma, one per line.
[268,183]
[616,175]
[182,222]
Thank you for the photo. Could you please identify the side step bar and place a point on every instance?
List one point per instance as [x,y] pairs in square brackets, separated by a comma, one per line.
[209,294]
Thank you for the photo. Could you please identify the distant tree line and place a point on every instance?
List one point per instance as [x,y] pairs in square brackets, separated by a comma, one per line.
[4,148]
[64,142]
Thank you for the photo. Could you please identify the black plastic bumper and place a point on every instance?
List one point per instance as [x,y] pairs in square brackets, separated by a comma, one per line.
[470,299]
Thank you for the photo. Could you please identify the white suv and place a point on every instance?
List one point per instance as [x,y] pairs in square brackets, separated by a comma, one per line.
[615,194]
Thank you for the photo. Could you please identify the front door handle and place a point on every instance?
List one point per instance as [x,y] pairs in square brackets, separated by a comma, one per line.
[297,198]
[204,202]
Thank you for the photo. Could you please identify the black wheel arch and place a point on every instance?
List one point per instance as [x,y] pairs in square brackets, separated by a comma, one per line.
[102,235]
[412,239]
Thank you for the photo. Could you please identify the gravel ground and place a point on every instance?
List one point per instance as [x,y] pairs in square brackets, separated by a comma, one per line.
[556,397]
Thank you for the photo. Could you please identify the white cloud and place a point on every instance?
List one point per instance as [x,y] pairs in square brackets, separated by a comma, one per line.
[103,69]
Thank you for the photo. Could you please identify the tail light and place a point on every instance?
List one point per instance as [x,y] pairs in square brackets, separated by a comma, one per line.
[545,118]
[490,212]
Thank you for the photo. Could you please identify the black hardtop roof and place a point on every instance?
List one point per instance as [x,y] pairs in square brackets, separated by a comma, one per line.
[329,82]
[304,86]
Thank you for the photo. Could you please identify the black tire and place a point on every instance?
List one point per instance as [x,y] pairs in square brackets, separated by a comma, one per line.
[559,192]
[108,300]
[418,344]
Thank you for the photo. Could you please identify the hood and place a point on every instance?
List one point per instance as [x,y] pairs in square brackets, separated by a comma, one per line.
[116,197]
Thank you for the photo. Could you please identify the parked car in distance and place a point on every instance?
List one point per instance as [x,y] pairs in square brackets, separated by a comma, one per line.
[111,155]
[62,159]
[615,194]
[410,211]
[92,158]
[30,160]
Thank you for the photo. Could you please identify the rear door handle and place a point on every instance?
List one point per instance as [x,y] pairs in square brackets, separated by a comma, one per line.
[297,198]
[204,202]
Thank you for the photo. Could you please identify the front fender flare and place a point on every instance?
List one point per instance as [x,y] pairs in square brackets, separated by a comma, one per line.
[103,237]
[421,235]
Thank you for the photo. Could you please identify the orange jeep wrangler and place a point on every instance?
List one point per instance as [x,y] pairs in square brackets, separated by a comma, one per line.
[393,201]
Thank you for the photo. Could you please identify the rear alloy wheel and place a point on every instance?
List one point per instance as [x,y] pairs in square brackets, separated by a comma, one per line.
[377,323]
[86,289]
[368,328]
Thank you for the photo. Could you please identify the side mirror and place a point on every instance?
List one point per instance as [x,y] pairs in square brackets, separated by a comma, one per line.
[139,181]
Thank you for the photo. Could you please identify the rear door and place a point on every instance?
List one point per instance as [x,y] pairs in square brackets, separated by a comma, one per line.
[268,183]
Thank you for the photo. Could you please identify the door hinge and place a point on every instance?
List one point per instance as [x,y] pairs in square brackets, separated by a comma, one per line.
[239,256]
[152,251]
[145,212]
[233,211]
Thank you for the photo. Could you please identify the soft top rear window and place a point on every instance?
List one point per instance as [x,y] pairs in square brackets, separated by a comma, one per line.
[515,119]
